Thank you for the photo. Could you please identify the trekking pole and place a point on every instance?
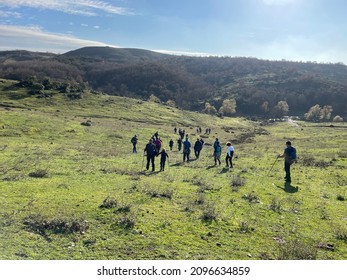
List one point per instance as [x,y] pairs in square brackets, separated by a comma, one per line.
[272,166]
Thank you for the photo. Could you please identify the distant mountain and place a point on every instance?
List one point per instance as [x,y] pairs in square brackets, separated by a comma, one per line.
[256,85]
[116,55]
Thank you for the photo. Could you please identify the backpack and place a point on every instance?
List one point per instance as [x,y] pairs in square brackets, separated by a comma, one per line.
[218,149]
[134,140]
[292,153]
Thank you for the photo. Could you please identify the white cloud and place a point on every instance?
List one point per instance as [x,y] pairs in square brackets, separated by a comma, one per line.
[82,7]
[35,39]
[7,14]
[183,53]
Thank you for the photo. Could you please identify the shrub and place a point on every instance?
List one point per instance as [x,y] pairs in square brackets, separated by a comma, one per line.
[124,208]
[39,173]
[245,227]
[39,224]
[126,222]
[251,197]
[109,202]
[209,213]
[341,233]
[156,193]
[276,205]
[297,250]
[309,160]
[200,199]
[237,182]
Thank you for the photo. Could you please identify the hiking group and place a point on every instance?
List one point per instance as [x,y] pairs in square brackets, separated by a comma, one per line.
[154,149]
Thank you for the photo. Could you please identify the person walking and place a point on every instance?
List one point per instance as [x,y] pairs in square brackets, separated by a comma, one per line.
[217,152]
[157,143]
[197,148]
[179,144]
[186,149]
[151,152]
[229,156]
[171,143]
[289,156]
[134,142]
[163,155]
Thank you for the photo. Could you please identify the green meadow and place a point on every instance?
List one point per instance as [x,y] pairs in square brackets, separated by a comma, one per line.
[71,191]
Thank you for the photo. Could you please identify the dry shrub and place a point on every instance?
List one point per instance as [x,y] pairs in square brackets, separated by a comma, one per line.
[297,250]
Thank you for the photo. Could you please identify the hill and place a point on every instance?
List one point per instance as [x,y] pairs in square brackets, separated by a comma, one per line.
[71,188]
[256,85]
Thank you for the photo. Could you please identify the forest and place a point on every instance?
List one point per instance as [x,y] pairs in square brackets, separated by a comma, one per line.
[238,86]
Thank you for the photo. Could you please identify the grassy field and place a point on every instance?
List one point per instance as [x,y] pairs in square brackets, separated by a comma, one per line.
[70,191]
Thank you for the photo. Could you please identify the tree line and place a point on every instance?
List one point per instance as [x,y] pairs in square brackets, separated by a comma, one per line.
[215,85]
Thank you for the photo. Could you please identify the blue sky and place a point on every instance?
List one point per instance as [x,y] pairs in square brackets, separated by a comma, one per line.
[296,30]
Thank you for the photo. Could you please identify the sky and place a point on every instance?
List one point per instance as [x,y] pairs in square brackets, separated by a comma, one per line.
[293,30]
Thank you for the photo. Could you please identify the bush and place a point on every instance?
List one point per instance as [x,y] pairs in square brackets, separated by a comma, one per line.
[275,205]
[337,119]
[209,213]
[237,182]
[297,250]
[41,225]
[251,197]
[41,173]
[109,202]
[126,222]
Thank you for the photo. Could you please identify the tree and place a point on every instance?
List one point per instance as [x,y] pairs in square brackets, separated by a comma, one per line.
[337,119]
[228,107]
[171,103]
[313,113]
[265,107]
[209,109]
[281,109]
[316,113]
[326,112]
[153,98]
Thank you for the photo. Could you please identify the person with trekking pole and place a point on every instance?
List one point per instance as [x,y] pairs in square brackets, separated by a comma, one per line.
[151,152]
[289,156]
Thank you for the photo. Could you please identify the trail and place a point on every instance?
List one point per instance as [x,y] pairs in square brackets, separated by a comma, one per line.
[292,122]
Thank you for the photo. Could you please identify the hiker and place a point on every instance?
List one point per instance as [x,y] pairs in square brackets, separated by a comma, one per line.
[134,142]
[186,149]
[230,154]
[289,155]
[171,143]
[157,143]
[217,151]
[179,144]
[151,152]
[163,155]
[175,130]
[197,148]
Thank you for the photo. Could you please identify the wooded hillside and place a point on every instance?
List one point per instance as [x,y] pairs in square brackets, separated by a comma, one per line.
[259,87]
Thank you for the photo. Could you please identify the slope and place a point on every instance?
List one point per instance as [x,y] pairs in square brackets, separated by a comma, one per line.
[71,191]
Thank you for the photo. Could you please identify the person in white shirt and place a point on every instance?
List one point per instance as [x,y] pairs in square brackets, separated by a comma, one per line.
[230,154]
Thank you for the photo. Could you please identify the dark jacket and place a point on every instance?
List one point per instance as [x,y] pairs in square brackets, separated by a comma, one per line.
[198,145]
[150,150]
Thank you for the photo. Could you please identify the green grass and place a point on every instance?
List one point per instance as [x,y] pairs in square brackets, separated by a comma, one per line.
[56,175]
